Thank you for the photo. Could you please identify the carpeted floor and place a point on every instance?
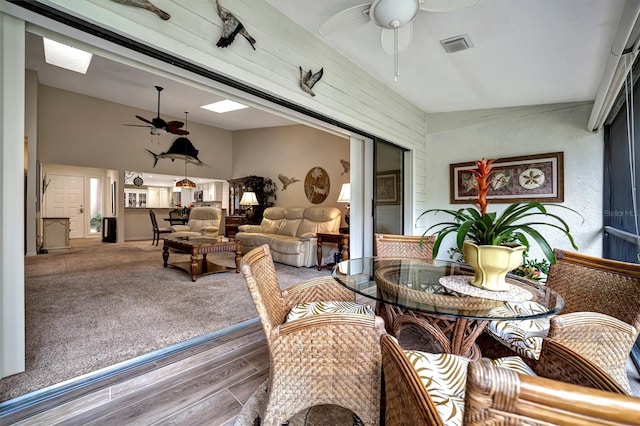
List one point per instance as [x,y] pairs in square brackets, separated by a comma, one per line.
[321,415]
[98,304]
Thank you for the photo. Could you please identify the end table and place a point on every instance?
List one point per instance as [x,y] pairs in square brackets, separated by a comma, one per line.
[341,239]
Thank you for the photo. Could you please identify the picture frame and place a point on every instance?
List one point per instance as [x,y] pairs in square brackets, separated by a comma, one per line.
[388,187]
[538,177]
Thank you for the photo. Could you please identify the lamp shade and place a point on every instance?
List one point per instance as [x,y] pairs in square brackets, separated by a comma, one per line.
[249,199]
[185,183]
[345,193]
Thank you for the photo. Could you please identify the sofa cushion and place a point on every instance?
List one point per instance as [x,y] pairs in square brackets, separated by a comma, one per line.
[319,219]
[284,244]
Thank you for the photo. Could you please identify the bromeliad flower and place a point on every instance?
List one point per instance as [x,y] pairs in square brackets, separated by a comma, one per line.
[482,175]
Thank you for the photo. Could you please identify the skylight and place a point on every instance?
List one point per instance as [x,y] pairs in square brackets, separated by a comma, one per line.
[67,57]
[224,106]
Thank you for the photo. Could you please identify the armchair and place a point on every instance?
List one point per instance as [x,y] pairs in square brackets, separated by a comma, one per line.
[601,318]
[318,354]
[203,221]
[404,246]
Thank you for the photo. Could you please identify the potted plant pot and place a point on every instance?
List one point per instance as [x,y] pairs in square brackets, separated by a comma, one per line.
[491,264]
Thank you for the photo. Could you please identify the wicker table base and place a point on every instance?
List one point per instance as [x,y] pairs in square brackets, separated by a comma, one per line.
[451,335]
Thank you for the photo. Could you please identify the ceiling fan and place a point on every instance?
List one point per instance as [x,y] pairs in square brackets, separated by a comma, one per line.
[158,125]
[393,17]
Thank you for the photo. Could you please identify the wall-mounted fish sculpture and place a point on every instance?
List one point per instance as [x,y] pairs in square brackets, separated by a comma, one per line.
[181,149]
[230,27]
[308,80]
[145,4]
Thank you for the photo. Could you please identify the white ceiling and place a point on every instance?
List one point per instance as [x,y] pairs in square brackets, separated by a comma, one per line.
[122,84]
[525,52]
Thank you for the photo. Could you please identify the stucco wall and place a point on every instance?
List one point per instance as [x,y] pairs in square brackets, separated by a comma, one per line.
[468,136]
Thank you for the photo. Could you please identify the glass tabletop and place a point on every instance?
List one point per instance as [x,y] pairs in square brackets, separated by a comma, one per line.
[441,288]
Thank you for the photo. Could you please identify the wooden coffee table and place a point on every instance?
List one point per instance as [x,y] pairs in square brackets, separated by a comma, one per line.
[196,246]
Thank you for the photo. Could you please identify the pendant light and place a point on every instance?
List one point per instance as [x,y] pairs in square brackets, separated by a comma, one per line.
[185,183]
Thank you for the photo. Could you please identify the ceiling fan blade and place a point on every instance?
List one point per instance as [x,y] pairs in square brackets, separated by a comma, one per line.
[405,35]
[345,20]
[446,5]
[144,119]
[137,125]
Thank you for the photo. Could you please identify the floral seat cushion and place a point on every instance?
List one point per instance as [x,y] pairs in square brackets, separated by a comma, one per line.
[524,337]
[445,378]
[307,309]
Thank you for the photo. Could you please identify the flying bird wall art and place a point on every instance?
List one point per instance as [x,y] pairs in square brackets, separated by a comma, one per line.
[231,26]
[346,166]
[286,181]
[145,4]
[309,79]
[181,149]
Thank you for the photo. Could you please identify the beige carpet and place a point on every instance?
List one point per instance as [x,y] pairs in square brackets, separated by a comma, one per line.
[98,304]
[321,415]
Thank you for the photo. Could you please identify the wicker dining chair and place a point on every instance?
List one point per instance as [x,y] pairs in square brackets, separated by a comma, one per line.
[408,402]
[497,396]
[404,246]
[600,320]
[328,358]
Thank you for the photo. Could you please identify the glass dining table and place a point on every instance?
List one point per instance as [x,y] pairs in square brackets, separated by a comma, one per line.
[436,298]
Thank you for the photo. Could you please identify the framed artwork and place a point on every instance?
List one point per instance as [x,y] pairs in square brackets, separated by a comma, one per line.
[316,185]
[527,178]
[388,187]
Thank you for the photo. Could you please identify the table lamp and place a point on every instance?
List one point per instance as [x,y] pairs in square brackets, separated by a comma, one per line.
[249,199]
[345,197]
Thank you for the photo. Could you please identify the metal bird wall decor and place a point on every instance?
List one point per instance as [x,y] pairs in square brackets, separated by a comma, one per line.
[308,80]
[181,149]
[145,4]
[286,181]
[230,27]
[346,166]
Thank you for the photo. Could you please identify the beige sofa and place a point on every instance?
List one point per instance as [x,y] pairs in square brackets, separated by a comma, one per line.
[203,221]
[291,232]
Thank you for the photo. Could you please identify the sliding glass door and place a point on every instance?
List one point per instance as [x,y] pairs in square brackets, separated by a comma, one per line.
[388,211]
[621,200]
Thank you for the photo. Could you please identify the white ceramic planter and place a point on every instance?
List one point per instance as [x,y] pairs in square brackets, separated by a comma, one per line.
[491,264]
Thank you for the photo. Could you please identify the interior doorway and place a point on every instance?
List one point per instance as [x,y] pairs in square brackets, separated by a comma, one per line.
[64,197]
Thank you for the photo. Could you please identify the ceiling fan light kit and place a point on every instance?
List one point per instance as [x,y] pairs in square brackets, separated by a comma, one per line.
[393,14]
[394,17]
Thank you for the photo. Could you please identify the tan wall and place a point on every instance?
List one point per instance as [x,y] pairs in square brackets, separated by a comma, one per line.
[84,131]
[291,151]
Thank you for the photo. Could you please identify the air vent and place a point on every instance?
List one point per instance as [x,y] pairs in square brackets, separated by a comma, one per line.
[456,44]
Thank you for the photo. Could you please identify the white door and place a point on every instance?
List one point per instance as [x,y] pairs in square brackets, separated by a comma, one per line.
[64,197]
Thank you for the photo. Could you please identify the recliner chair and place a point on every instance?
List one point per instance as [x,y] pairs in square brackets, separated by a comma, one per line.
[203,221]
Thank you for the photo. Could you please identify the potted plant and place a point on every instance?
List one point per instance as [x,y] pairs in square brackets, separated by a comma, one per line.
[493,243]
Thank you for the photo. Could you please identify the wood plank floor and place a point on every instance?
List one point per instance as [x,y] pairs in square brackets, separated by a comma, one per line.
[208,387]
[205,385]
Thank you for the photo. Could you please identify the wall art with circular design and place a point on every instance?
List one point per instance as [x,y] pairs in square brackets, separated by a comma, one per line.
[316,185]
